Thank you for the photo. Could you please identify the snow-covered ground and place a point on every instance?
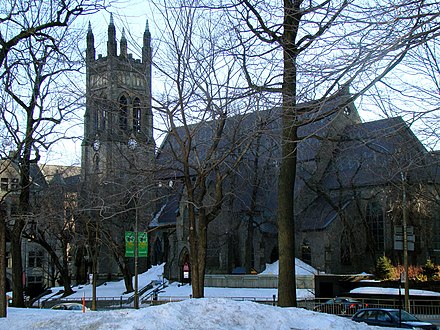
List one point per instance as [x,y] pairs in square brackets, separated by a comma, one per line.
[175,291]
[220,312]
[206,313]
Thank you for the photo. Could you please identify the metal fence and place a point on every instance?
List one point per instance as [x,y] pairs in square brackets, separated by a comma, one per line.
[424,308]
[419,307]
[101,302]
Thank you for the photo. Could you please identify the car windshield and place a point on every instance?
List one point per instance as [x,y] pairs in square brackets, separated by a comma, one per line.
[405,316]
[75,307]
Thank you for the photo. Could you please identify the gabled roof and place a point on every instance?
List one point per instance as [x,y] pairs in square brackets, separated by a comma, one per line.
[10,168]
[237,132]
[362,154]
[67,176]
[169,207]
[240,128]
[320,213]
[374,153]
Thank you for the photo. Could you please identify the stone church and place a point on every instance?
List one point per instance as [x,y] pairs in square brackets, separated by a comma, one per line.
[355,180]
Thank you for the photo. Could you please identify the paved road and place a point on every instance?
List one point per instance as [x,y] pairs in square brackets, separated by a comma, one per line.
[435,321]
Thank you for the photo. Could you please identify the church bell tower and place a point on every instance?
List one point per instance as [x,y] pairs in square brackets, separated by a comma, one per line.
[118,145]
[118,123]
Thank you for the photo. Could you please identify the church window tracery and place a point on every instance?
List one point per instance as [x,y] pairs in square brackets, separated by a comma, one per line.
[375,222]
[123,113]
[136,115]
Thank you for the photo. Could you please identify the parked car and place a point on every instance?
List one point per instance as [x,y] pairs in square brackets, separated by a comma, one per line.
[69,307]
[387,317]
[340,306]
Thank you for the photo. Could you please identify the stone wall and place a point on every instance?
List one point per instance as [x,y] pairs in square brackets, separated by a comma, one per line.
[256,281]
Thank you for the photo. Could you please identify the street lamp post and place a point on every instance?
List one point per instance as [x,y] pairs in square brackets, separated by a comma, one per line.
[94,253]
[132,144]
[136,252]
[405,240]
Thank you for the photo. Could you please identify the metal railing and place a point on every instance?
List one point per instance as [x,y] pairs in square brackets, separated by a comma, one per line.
[424,308]
[420,307]
[101,302]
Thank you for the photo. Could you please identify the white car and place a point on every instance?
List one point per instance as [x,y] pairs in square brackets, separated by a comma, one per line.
[69,307]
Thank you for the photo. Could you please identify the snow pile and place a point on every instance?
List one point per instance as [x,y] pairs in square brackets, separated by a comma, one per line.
[301,268]
[189,314]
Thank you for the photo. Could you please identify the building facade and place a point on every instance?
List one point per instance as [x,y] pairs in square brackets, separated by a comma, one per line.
[351,179]
[349,197]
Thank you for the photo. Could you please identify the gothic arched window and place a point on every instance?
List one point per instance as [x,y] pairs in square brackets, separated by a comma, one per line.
[102,113]
[136,115]
[306,252]
[345,252]
[123,113]
[375,222]
[96,121]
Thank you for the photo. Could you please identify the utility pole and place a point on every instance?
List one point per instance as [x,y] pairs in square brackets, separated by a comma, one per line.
[94,253]
[3,300]
[136,252]
[405,239]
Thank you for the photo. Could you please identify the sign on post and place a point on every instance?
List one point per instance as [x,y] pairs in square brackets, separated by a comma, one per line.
[398,238]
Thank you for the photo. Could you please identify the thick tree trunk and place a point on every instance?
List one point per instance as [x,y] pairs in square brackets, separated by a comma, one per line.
[202,246]
[17,264]
[128,278]
[193,254]
[65,274]
[286,225]
[286,181]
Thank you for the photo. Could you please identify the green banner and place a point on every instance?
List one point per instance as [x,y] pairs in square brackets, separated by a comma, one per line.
[142,244]
[129,244]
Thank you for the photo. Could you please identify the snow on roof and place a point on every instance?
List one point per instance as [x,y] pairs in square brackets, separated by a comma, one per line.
[301,268]
[394,291]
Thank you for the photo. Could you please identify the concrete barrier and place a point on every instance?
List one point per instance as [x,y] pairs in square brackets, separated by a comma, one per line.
[255,281]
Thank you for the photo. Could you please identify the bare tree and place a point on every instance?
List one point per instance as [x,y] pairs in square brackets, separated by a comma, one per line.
[202,106]
[34,58]
[53,225]
[412,91]
[315,49]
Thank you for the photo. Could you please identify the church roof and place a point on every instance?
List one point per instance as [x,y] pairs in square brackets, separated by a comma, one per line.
[374,153]
[320,213]
[360,154]
[238,131]
[169,206]
[240,128]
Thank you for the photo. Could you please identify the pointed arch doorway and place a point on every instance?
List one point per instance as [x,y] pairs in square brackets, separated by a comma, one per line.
[184,266]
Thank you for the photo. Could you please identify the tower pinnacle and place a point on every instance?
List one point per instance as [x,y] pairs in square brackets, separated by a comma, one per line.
[123,45]
[111,42]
